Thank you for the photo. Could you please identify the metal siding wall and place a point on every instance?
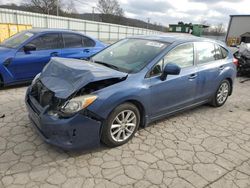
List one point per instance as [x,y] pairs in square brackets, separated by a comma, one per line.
[103,31]
[114,29]
[239,26]
[80,26]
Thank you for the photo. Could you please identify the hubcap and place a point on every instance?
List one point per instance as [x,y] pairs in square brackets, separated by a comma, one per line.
[222,93]
[123,125]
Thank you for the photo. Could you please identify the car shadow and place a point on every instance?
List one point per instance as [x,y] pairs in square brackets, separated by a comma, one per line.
[77,153]
[102,147]
[17,86]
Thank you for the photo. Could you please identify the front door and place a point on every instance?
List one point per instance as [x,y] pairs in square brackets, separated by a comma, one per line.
[177,91]
[26,65]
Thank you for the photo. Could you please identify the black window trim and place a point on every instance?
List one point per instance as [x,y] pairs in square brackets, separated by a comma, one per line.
[162,58]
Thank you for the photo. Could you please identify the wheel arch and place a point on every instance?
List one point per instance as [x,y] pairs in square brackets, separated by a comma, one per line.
[129,102]
[141,109]
[231,85]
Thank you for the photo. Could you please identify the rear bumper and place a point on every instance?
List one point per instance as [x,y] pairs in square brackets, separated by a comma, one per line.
[77,132]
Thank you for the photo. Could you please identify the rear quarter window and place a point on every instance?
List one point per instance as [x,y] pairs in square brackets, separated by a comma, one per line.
[218,53]
[87,42]
[224,52]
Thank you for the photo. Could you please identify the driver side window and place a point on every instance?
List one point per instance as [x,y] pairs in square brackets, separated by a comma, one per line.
[182,55]
[46,41]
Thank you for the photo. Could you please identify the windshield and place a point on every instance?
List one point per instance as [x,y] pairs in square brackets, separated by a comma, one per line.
[129,55]
[16,40]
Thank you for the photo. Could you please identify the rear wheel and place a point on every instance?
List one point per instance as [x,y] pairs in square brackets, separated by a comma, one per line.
[222,94]
[121,125]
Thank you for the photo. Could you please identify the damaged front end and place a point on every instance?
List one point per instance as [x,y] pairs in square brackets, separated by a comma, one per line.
[58,99]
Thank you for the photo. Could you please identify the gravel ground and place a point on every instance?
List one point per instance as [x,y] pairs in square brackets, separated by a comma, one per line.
[203,147]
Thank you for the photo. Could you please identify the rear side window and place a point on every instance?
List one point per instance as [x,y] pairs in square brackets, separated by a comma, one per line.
[182,55]
[87,42]
[205,52]
[46,41]
[72,41]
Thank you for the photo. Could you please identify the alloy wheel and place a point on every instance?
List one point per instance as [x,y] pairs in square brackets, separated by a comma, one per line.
[123,125]
[222,93]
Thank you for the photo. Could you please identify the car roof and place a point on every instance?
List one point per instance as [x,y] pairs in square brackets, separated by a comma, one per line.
[174,37]
[52,31]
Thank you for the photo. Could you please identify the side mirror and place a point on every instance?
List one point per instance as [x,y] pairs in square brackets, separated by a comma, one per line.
[170,69]
[29,47]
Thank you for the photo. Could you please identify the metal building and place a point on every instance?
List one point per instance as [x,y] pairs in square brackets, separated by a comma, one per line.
[237,27]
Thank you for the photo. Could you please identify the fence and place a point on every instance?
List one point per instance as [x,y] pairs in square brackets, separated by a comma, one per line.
[7,30]
[100,30]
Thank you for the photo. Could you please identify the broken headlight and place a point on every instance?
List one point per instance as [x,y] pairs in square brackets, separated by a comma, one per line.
[78,103]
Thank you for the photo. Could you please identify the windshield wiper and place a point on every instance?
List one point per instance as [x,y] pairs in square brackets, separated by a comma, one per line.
[107,65]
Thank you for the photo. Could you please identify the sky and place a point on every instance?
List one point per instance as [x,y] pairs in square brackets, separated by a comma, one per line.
[164,12]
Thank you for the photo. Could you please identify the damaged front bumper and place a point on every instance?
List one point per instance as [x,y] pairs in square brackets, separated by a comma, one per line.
[77,132]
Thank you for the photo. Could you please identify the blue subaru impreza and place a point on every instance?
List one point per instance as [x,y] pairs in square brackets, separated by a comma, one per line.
[78,104]
[24,55]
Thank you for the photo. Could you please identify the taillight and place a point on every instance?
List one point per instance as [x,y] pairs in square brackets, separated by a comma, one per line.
[236,61]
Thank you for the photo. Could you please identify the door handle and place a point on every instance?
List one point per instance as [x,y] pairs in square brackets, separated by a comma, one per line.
[221,67]
[86,50]
[54,54]
[192,76]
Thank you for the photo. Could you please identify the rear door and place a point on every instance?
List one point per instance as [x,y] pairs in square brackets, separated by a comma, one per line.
[26,65]
[211,61]
[177,91]
[77,46]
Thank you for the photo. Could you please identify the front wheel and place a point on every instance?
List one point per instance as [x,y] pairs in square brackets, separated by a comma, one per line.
[222,94]
[121,125]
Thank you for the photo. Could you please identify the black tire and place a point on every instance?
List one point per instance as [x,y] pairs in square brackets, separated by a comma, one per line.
[106,135]
[215,102]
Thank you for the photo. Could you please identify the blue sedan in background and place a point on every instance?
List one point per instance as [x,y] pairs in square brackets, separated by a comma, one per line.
[24,55]
[76,104]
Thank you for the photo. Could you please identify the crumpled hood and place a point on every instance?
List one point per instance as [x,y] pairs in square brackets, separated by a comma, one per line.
[66,76]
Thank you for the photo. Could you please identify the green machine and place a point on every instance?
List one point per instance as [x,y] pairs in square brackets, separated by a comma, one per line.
[194,29]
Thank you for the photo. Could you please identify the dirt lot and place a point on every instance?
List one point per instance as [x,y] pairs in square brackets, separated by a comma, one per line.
[204,147]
